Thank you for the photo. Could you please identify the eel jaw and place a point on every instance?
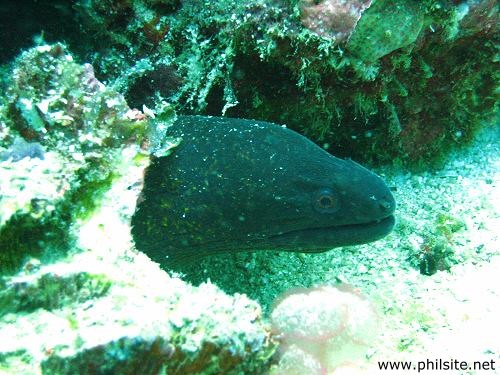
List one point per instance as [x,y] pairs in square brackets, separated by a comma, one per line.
[326,238]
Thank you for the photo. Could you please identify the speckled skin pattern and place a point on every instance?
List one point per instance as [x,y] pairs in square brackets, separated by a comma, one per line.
[237,184]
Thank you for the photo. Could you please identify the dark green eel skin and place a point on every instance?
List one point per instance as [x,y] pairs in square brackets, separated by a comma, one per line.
[237,184]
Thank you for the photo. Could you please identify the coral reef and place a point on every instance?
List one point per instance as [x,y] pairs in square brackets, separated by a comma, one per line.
[382,81]
[73,289]
[72,154]
[86,315]
[68,139]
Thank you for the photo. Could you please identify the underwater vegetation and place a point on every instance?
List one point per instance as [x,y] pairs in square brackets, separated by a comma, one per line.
[64,134]
[404,86]
[87,315]
[380,81]
[436,252]
[73,290]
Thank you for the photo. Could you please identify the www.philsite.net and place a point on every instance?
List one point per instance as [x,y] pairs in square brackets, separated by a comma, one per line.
[438,365]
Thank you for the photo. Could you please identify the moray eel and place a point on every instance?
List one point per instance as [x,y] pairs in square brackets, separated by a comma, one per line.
[235,184]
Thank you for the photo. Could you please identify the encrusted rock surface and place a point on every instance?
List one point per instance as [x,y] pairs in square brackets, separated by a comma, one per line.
[75,296]
[122,314]
[380,81]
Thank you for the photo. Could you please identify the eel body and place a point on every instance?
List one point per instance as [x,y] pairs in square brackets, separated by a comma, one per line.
[234,184]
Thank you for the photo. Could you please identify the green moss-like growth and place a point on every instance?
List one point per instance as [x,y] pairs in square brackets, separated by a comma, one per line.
[51,290]
[125,356]
[407,86]
[24,236]
[437,252]
[65,135]
[385,27]
[447,225]
[72,158]
[86,198]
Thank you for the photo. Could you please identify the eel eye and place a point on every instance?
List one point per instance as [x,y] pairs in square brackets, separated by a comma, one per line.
[325,200]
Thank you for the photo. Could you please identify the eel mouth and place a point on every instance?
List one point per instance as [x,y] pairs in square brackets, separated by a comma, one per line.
[326,238]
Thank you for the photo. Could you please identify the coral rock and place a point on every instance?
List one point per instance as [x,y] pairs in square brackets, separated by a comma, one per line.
[385,27]
[326,327]
[334,19]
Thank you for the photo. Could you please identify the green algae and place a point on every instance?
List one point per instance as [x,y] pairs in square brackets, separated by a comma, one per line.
[83,128]
[50,290]
[430,70]
[386,26]
[373,96]
[73,290]
[23,237]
